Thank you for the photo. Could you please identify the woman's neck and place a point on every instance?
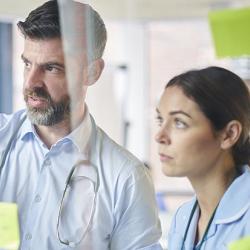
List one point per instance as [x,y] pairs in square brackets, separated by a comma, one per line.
[209,191]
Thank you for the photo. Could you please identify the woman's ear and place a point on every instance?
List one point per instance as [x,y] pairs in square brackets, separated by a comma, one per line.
[231,134]
[93,72]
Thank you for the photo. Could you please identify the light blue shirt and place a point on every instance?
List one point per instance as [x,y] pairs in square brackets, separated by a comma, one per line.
[34,177]
[231,220]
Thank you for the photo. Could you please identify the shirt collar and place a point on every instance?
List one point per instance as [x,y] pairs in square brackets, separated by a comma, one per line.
[234,203]
[27,128]
[80,136]
[236,200]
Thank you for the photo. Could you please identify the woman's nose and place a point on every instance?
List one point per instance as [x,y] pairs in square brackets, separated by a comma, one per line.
[162,136]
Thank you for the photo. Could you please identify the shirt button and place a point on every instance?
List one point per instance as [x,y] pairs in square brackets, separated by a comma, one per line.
[47,162]
[37,198]
[28,236]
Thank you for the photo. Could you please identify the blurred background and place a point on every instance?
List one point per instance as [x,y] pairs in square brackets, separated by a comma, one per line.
[149,42]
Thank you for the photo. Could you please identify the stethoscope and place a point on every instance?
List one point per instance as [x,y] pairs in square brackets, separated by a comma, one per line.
[94,150]
[189,222]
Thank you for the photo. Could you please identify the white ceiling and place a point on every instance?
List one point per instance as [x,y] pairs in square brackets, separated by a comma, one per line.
[130,9]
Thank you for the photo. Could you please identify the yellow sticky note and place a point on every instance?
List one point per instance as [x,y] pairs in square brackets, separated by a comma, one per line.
[9,229]
[242,244]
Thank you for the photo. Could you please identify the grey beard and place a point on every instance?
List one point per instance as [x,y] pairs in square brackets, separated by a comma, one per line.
[50,116]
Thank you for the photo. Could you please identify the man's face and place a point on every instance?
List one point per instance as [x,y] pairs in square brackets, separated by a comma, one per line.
[45,88]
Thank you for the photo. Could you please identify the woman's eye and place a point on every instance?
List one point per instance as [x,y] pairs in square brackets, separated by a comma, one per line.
[159,120]
[180,124]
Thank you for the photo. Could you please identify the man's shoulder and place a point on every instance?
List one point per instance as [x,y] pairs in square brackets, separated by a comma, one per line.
[118,162]
[116,151]
[10,120]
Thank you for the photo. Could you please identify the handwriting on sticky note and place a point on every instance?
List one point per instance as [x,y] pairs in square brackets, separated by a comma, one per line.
[242,244]
[9,229]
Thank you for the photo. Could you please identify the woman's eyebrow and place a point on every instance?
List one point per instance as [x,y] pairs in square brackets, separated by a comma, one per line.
[175,112]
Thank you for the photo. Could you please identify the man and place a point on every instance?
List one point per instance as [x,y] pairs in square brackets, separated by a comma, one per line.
[75,188]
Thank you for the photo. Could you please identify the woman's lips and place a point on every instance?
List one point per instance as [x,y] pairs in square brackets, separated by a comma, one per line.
[165,158]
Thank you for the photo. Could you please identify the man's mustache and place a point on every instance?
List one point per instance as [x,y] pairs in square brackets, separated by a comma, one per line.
[37,92]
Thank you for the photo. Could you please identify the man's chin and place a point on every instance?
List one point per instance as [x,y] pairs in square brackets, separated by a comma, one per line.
[47,114]
[39,116]
[38,109]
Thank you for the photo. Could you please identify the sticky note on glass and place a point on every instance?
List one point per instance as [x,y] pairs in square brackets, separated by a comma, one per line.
[9,229]
[231,32]
[242,244]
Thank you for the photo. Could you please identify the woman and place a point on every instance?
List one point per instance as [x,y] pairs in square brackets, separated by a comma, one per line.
[204,118]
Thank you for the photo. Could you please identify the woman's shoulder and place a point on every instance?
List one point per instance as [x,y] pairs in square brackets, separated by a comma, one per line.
[182,214]
[185,208]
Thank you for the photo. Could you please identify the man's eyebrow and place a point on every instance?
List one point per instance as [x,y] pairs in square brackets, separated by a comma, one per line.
[53,63]
[24,58]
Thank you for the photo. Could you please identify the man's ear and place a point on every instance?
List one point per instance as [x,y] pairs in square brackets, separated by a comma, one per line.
[231,134]
[93,71]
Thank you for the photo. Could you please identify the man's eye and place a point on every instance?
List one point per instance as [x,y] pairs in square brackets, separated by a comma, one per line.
[27,65]
[51,68]
[180,124]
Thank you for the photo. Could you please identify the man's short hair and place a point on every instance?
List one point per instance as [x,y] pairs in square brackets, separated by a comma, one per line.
[44,23]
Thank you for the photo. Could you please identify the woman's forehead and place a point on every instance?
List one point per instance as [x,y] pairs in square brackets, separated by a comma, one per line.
[174,98]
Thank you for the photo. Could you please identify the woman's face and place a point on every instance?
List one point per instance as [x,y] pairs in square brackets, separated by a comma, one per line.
[188,146]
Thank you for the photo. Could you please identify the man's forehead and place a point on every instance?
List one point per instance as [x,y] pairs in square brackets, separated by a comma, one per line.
[54,43]
[51,48]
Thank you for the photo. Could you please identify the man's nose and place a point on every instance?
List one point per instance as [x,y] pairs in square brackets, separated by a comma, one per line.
[34,78]
[163,136]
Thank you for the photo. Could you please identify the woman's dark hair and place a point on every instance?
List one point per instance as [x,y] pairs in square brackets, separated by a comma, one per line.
[222,96]
[44,23]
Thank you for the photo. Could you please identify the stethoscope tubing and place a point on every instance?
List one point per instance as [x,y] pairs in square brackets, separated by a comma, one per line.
[94,150]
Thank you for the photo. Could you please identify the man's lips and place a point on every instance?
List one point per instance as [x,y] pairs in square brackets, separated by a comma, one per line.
[36,101]
[165,158]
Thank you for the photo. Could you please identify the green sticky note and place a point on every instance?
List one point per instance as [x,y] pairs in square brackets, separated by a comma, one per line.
[230,30]
[242,244]
[9,229]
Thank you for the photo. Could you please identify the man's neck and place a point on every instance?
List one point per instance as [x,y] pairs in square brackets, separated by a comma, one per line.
[51,134]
